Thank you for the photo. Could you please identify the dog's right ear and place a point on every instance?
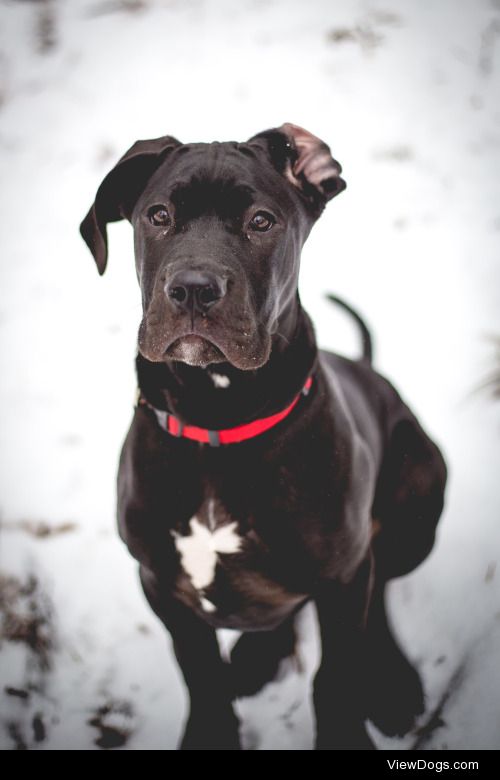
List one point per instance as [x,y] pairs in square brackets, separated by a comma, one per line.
[119,191]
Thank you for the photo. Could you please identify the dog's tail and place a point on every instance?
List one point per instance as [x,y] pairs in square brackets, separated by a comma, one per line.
[365,333]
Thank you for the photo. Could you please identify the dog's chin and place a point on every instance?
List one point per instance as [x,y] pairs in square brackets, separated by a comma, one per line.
[200,351]
[195,351]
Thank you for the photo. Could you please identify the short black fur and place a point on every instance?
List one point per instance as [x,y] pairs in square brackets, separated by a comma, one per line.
[327,506]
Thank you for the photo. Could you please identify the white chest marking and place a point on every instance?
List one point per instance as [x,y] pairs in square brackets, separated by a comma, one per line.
[207,605]
[199,550]
[220,380]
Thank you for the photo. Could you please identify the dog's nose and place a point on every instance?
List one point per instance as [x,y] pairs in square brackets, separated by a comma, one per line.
[195,290]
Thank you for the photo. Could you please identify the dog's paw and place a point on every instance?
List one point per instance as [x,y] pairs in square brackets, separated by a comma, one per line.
[212,731]
[344,739]
[395,696]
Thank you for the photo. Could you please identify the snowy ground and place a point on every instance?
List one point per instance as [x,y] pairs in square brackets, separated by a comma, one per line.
[407,94]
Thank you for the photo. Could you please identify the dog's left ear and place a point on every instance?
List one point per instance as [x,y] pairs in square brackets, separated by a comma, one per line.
[119,191]
[304,160]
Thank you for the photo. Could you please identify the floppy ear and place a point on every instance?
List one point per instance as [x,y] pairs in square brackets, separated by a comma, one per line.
[305,161]
[119,191]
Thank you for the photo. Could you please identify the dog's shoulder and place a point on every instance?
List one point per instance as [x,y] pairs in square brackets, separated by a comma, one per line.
[365,390]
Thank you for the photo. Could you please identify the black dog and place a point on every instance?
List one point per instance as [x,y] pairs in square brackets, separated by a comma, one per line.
[259,472]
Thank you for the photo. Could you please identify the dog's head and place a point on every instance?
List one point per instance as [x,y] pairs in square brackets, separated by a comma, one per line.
[218,233]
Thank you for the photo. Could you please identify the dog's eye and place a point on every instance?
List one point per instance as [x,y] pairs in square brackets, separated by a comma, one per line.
[159,216]
[261,221]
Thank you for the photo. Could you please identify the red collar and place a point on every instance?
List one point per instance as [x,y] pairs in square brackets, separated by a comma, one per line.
[234,435]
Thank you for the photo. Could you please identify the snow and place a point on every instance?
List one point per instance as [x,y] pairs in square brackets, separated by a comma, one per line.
[406,94]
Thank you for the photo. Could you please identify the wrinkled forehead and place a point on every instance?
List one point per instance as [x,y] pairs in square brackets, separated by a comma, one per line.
[233,170]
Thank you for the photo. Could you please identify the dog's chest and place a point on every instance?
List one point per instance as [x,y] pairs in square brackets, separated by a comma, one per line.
[224,571]
[211,534]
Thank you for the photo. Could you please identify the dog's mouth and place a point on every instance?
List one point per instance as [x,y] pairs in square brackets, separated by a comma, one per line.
[195,351]
[245,347]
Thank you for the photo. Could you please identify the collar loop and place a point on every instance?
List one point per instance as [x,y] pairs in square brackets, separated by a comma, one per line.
[235,435]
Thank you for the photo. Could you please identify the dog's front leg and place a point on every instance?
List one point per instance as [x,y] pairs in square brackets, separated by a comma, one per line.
[339,685]
[211,724]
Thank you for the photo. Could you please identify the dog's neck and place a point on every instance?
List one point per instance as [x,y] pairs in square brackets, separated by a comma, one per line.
[220,395]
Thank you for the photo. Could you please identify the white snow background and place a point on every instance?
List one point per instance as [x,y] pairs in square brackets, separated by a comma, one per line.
[407,94]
